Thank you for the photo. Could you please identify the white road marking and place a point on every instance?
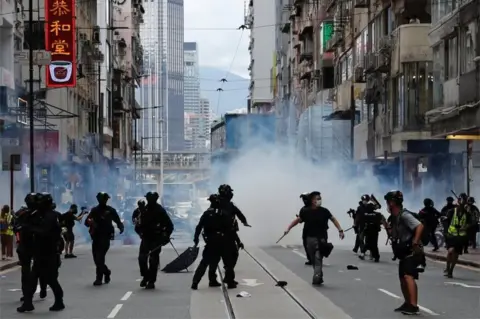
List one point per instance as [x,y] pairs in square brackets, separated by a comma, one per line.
[358,279]
[462,285]
[251,282]
[457,265]
[139,280]
[115,311]
[284,246]
[16,289]
[340,271]
[299,253]
[126,296]
[391,294]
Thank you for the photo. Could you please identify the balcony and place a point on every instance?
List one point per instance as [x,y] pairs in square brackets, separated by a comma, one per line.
[307,55]
[305,71]
[307,27]
[369,62]
[343,94]
[118,100]
[361,4]
[334,41]
[410,43]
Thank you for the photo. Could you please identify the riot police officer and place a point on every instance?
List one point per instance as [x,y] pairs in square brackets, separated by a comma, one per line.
[137,212]
[214,227]
[429,216]
[101,230]
[24,237]
[46,231]
[372,221]
[225,193]
[154,227]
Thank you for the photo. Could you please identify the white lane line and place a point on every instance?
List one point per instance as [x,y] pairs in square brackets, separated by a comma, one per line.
[115,311]
[391,294]
[299,253]
[126,296]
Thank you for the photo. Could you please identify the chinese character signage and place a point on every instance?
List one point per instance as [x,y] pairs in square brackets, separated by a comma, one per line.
[60,41]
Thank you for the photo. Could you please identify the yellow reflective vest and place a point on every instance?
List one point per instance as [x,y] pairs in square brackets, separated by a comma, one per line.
[458,227]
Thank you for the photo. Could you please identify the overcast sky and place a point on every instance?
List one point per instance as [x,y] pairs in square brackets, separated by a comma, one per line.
[217,47]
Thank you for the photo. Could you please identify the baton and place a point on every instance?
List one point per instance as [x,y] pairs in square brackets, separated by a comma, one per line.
[348,229]
[454,194]
[280,238]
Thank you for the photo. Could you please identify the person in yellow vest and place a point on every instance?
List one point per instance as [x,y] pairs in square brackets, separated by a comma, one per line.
[6,233]
[458,221]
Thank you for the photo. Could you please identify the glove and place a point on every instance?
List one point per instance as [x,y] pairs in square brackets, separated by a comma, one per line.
[246,225]
[241,246]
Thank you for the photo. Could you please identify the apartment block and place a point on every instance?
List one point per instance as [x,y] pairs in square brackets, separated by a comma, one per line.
[261,20]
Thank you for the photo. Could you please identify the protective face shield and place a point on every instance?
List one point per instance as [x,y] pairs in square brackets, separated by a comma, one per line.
[225,191]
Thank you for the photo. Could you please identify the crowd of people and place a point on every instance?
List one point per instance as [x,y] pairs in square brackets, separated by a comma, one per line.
[408,233]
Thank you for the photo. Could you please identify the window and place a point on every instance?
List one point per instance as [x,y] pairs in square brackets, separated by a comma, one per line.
[468,38]
[398,101]
[451,54]
[438,74]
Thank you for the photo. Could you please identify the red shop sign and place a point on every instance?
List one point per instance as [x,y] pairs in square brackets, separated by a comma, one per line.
[60,40]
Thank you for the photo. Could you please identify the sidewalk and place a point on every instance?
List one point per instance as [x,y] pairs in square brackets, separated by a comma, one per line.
[7,264]
[471,259]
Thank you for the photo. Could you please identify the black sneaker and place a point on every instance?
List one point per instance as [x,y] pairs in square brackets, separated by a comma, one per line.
[317,281]
[231,285]
[410,310]
[143,283]
[73,256]
[399,309]
[308,263]
[107,278]
[43,294]
[26,308]
[214,284]
[194,286]
[150,286]
[98,282]
[57,306]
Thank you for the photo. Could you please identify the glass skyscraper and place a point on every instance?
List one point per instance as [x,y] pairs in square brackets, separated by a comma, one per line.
[161,92]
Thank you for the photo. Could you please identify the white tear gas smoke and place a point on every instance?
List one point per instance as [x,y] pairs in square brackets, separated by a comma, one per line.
[268,181]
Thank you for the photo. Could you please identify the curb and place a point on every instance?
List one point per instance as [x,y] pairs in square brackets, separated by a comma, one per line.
[9,265]
[460,261]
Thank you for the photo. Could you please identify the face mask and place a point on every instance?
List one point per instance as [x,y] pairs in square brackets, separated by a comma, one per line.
[319,203]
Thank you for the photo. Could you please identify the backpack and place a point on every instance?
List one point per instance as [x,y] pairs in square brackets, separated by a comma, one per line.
[425,238]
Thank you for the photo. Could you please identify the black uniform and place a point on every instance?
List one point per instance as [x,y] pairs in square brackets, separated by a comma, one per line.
[154,227]
[370,227]
[429,216]
[359,224]
[101,230]
[214,226]
[46,232]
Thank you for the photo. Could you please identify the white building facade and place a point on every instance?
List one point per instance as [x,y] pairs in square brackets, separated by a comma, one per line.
[191,91]
[261,19]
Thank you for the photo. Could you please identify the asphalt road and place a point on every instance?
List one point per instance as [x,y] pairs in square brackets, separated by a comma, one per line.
[373,291]
[365,293]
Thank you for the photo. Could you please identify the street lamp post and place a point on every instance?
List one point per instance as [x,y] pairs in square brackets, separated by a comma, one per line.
[135,137]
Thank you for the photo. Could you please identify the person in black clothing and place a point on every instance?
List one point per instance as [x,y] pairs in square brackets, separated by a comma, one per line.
[306,204]
[68,222]
[137,212]
[444,213]
[44,226]
[214,226]
[429,216]
[101,230]
[154,227]
[474,227]
[316,220]
[369,224]
[25,244]
[230,212]
[366,216]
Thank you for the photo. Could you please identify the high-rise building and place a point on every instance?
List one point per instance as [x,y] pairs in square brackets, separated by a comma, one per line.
[205,121]
[161,93]
[191,91]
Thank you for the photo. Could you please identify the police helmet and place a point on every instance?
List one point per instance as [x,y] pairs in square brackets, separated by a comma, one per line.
[102,196]
[471,200]
[365,198]
[225,190]
[394,196]
[152,196]
[141,203]
[427,202]
[30,199]
[450,199]
[214,200]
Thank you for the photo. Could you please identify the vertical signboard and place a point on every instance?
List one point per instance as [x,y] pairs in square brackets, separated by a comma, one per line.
[60,41]
[326,34]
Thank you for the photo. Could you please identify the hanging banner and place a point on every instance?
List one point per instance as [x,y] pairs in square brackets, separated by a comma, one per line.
[60,40]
